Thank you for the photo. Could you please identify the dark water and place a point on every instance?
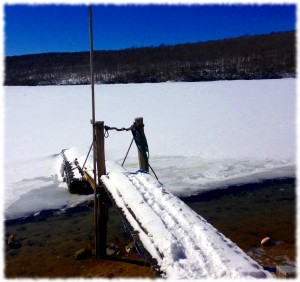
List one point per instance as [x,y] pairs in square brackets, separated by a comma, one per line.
[249,213]
[244,214]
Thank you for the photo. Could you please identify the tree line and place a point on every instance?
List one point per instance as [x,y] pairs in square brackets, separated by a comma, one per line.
[247,57]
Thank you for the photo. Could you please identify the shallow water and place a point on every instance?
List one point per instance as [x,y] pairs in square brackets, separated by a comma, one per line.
[48,241]
[252,212]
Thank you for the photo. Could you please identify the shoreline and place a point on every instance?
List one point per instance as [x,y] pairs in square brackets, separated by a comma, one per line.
[45,246]
[202,196]
[251,212]
[223,191]
[48,241]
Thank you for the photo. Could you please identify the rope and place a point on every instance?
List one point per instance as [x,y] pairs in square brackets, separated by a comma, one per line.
[140,141]
[127,152]
[107,128]
[133,239]
[88,155]
[125,226]
[154,173]
[138,249]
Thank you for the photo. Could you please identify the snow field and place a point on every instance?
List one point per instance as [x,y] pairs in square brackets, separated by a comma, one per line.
[201,135]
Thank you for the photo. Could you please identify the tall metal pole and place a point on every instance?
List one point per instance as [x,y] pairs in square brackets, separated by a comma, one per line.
[93,89]
[94,131]
[91,61]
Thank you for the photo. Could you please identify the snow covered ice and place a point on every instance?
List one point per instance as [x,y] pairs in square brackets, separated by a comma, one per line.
[201,135]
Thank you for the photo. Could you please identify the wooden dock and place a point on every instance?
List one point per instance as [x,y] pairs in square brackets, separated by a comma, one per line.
[178,241]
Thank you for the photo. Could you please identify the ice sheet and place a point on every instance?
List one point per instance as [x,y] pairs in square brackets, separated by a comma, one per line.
[201,135]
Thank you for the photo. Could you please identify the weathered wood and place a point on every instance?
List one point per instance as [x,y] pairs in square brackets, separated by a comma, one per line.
[285,271]
[100,154]
[78,167]
[102,214]
[143,161]
[89,179]
[75,185]
[101,199]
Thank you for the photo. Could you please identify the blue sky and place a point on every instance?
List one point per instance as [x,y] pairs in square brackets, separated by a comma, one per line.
[33,29]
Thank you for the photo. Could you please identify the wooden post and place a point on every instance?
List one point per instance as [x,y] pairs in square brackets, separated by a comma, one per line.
[143,161]
[101,198]
[100,153]
[102,216]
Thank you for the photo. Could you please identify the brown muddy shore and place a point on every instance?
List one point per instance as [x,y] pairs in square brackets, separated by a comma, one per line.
[45,244]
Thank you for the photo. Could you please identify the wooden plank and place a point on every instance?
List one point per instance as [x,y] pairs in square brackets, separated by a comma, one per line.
[78,167]
[89,179]
[285,271]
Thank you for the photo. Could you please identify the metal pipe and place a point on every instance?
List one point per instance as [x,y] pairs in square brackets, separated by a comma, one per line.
[94,132]
[91,62]
[93,89]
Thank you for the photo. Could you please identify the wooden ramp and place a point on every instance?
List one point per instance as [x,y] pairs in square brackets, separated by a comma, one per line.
[181,242]
[184,244]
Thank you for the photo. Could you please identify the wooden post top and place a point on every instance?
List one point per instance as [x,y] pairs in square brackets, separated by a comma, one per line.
[139,120]
[99,123]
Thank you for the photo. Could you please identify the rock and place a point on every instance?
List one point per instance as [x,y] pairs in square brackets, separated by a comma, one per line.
[129,248]
[82,254]
[12,243]
[30,243]
[266,241]
[111,249]
[11,240]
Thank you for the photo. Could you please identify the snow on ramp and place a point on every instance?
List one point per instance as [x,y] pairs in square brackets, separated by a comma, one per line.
[184,244]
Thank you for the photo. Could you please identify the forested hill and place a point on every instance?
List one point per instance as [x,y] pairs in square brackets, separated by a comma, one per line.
[247,57]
